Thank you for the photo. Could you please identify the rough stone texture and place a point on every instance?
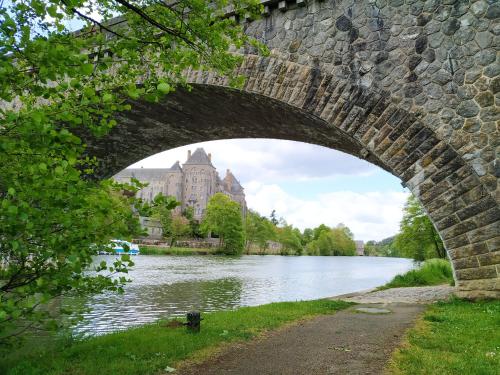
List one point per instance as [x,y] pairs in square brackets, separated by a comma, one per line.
[420,294]
[407,85]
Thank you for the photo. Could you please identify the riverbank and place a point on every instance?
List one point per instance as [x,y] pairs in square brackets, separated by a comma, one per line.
[163,250]
[161,346]
[454,337]
[430,272]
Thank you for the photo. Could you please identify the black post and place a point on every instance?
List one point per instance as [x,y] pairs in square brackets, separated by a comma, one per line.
[193,321]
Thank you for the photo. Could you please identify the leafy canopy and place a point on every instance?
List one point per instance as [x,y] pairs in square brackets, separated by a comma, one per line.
[55,87]
[418,239]
[223,217]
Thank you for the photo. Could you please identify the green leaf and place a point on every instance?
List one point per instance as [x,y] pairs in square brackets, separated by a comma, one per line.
[106,98]
[164,88]
[11,191]
[87,69]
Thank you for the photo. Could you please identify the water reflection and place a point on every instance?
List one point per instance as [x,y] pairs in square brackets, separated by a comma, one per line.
[165,286]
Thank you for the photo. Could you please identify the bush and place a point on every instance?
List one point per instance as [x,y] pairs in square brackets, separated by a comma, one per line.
[430,272]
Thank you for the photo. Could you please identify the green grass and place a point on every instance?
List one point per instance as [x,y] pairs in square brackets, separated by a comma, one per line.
[431,272]
[150,349]
[157,250]
[456,337]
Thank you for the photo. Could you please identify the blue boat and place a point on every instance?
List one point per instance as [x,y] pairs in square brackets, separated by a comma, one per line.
[124,247]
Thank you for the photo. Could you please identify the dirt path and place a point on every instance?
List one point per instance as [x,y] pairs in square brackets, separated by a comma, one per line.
[348,342]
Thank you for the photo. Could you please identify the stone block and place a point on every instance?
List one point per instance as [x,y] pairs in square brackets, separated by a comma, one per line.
[487,272]
[478,207]
[435,191]
[463,263]
[486,284]
[484,233]
[448,209]
[445,171]
[488,217]
[447,222]
[493,243]
[489,259]
[458,229]
[456,242]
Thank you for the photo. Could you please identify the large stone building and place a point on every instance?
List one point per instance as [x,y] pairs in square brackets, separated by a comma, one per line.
[192,184]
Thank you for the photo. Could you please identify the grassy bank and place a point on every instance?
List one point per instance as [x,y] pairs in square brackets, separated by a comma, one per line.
[158,250]
[152,348]
[430,272]
[456,337]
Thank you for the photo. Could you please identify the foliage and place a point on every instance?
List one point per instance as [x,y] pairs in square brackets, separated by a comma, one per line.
[307,236]
[331,241]
[194,224]
[258,230]
[57,87]
[430,272]
[179,227]
[273,218]
[223,217]
[290,240]
[161,209]
[383,248]
[150,349]
[418,239]
[457,337]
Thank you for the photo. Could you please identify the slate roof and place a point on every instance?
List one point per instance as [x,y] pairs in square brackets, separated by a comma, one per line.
[232,184]
[176,167]
[199,157]
[143,174]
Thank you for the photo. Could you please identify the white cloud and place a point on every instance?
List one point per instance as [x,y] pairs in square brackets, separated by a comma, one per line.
[268,168]
[370,216]
[269,160]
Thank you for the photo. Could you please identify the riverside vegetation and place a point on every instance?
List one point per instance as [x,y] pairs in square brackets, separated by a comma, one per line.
[55,211]
[430,272]
[456,337]
[160,346]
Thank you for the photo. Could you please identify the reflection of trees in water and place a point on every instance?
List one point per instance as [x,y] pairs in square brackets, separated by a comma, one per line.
[147,303]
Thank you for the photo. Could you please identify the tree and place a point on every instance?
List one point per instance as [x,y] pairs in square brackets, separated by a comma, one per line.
[55,214]
[418,239]
[307,236]
[194,224]
[318,230]
[223,216]
[179,227]
[331,241]
[258,230]
[290,240]
[273,218]
[161,209]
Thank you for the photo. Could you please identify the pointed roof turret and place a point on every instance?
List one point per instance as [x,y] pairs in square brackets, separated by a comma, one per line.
[231,184]
[198,157]
[176,167]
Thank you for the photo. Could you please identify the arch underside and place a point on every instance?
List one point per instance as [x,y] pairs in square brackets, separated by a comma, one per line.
[286,100]
[209,112]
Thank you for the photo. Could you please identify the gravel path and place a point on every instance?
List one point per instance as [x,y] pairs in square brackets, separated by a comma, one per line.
[355,341]
[422,294]
[348,342]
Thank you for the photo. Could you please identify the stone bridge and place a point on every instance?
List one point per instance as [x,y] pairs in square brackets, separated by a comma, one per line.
[411,86]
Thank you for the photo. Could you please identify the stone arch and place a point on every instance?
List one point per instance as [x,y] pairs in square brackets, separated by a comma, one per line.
[409,87]
[289,101]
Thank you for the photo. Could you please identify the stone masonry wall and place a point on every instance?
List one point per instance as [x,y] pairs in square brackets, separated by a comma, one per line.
[412,86]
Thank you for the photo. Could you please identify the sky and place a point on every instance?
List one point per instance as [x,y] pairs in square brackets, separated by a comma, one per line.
[307,185]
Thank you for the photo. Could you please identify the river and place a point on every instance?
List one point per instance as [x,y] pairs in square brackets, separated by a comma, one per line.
[167,286]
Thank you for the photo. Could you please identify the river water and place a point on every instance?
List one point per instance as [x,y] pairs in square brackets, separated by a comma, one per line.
[167,286]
